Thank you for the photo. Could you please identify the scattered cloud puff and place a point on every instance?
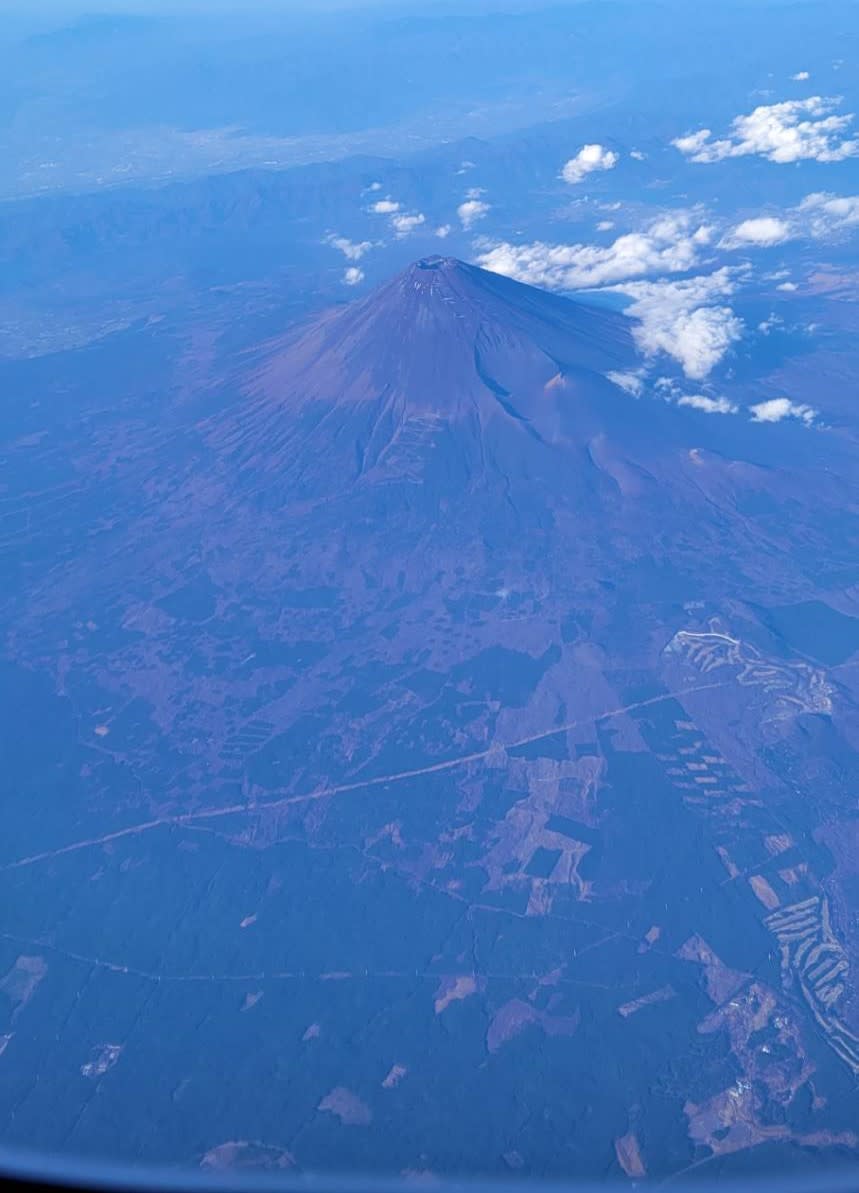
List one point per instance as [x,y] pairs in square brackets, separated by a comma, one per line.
[685,321]
[762,232]
[351,250]
[631,383]
[708,405]
[404,225]
[669,244]
[637,155]
[353,276]
[589,159]
[670,392]
[787,287]
[792,131]
[374,186]
[605,225]
[443,232]
[385,207]
[776,409]
[770,323]
[826,213]
[473,209]
[801,76]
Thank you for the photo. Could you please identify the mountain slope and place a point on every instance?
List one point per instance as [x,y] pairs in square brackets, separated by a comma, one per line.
[446,355]
[434,663]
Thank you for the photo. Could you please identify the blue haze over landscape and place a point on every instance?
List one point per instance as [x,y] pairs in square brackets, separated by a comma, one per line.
[430,604]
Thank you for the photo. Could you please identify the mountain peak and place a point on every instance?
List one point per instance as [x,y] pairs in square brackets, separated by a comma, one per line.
[437,264]
[443,344]
[442,336]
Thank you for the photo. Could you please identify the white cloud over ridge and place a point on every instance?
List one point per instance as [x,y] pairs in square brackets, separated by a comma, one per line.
[589,159]
[791,131]
[775,410]
[761,232]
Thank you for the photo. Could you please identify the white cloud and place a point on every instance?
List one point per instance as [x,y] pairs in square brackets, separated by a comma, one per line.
[471,211]
[443,232]
[819,215]
[669,244]
[605,225]
[374,186]
[772,321]
[638,155]
[353,276]
[776,409]
[787,287]
[682,320]
[404,225]
[800,76]
[791,131]
[631,383]
[350,250]
[761,232]
[587,160]
[707,405]
[826,213]
[385,207]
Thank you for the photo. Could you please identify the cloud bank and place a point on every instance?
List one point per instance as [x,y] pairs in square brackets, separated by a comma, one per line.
[792,131]
[685,320]
[669,244]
